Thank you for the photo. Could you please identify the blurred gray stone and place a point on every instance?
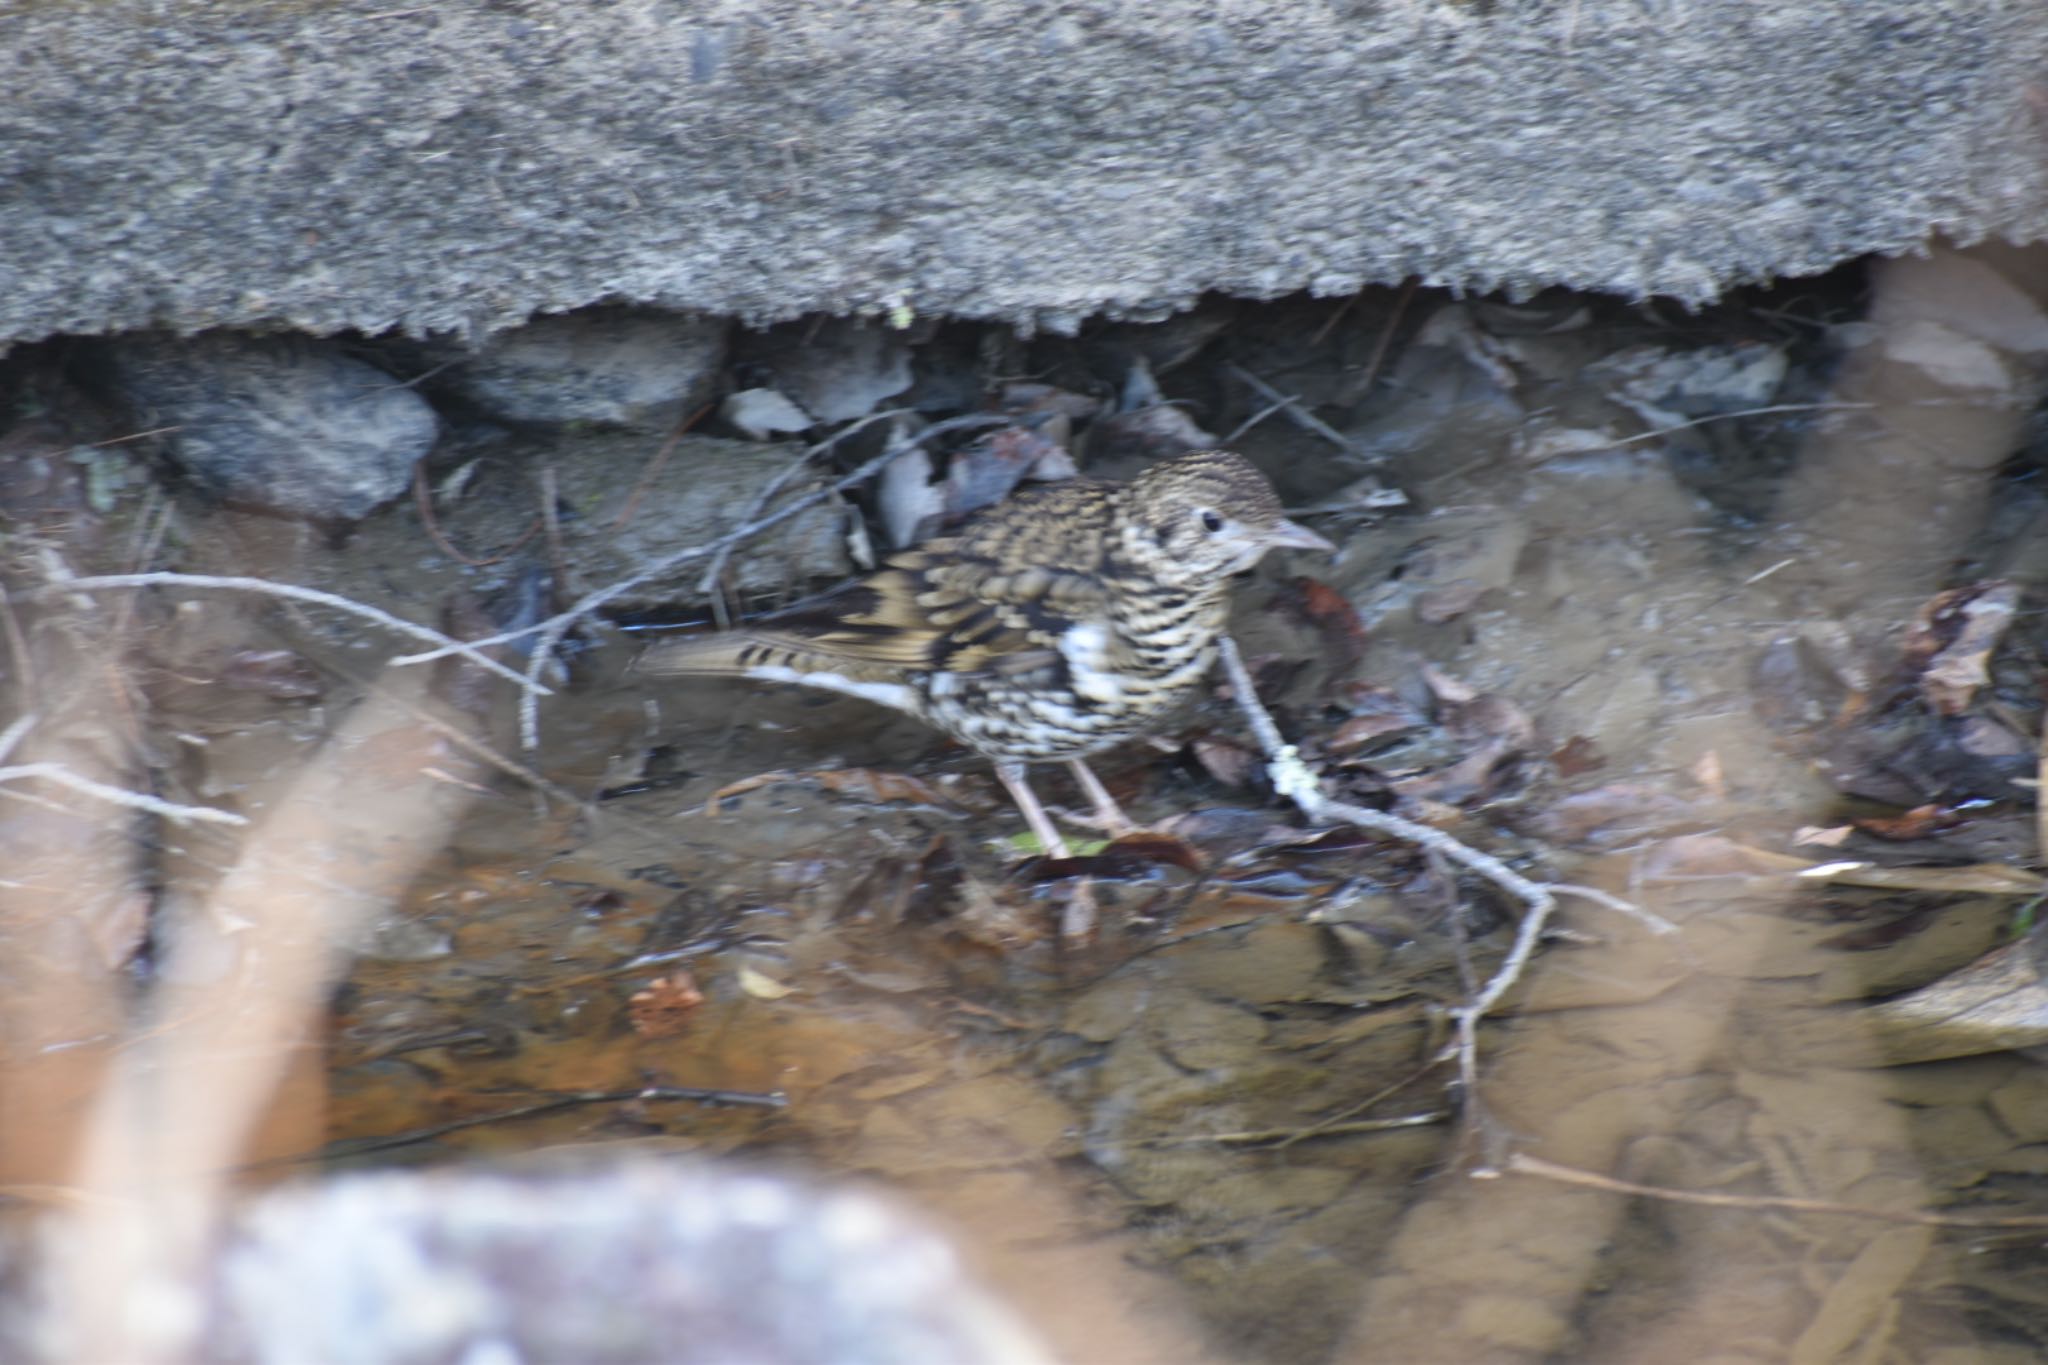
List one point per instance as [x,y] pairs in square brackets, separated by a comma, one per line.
[646,1262]
[765,413]
[285,423]
[462,166]
[835,370]
[621,367]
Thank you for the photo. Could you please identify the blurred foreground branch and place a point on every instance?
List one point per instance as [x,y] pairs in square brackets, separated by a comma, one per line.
[238,1000]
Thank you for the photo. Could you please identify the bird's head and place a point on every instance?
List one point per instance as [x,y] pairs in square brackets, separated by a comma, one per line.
[1196,519]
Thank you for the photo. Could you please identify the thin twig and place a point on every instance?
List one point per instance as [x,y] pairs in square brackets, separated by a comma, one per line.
[1341,1120]
[446,645]
[131,436]
[1357,389]
[1287,1137]
[655,466]
[1521,1164]
[1296,410]
[364,1146]
[156,525]
[716,568]
[425,501]
[1655,923]
[1774,408]
[1336,316]
[119,796]
[551,518]
[1248,423]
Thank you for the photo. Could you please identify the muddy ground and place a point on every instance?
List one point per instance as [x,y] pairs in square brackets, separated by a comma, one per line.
[1625,596]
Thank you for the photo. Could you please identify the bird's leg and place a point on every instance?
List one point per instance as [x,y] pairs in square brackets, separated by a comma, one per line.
[1077,922]
[1109,816]
[1011,775]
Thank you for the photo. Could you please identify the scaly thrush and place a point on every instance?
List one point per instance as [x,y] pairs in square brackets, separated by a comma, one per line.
[1069,618]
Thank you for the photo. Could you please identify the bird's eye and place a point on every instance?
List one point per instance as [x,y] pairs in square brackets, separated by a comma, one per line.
[1211,522]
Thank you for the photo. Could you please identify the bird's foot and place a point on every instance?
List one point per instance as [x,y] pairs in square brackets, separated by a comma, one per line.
[1120,827]
[1109,817]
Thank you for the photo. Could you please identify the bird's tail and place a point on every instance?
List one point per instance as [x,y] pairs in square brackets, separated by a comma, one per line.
[726,654]
[756,654]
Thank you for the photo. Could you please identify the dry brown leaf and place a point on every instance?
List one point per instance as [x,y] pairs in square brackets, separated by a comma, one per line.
[1446,688]
[1129,856]
[1577,756]
[1229,762]
[760,985]
[1952,638]
[863,784]
[1916,823]
[1333,616]
[1375,713]
[662,1008]
[1022,396]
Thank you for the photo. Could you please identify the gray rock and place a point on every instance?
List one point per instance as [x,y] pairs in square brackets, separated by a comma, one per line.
[284,423]
[464,165]
[835,370]
[622,367]
[765,413]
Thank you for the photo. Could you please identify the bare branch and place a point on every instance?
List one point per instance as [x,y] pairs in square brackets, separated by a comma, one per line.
[119,796]
[1297,411]
[1295,780]
[397,624]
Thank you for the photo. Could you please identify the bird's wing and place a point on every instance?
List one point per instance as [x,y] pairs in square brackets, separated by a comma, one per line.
[995,598]
[928,610]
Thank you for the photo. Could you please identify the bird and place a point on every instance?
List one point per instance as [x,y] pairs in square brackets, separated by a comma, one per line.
[1066,619]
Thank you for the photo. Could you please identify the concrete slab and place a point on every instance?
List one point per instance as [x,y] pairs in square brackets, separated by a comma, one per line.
[463,164]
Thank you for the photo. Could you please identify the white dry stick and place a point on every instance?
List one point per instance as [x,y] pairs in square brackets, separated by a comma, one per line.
[397,624]
[1295,780]
[119,796]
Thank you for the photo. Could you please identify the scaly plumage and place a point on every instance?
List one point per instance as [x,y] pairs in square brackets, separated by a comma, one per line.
[1067,619]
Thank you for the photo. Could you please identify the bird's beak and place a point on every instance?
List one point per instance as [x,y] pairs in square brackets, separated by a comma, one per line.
[1289,536]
